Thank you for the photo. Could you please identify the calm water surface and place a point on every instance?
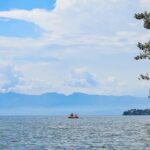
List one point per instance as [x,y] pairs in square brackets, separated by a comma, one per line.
[86,133]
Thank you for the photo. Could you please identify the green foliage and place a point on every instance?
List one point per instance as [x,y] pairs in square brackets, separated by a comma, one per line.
[145,17]
[144,47]
[144,77]
[145,51]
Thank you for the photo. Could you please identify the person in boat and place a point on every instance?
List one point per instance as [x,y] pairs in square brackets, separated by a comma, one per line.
[72,116]
[76,116]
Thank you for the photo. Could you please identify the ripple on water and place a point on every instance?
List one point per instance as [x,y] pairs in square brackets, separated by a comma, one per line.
[87,133]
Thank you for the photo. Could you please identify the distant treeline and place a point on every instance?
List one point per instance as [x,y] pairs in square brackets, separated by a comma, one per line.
[137,112]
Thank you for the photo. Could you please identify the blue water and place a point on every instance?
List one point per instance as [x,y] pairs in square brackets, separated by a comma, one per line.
[86,133]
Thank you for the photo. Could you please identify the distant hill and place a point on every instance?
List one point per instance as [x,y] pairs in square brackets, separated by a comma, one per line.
[133,112]
[59,104]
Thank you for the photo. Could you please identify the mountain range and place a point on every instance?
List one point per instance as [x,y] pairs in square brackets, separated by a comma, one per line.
[60,104]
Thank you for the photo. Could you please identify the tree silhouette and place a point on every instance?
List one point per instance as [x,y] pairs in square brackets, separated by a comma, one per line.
[144,47]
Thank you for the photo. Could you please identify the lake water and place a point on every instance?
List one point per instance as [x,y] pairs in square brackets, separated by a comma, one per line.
[86,133]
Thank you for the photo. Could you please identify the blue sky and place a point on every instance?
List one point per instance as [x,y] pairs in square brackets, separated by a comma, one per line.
[22,28]
[71,46]
[26,4]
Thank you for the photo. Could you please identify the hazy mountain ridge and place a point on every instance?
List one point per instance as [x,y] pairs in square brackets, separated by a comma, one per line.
[55,103]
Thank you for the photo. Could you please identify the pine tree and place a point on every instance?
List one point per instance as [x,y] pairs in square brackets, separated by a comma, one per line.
[144,47]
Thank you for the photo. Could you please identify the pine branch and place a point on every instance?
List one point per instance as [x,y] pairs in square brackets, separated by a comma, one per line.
[146,18]
[144,77]
[142,56]
[145,48]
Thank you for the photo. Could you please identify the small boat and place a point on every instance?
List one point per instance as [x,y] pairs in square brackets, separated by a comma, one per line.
[73,116]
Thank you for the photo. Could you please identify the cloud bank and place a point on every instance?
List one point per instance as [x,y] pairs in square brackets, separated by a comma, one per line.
[99,35]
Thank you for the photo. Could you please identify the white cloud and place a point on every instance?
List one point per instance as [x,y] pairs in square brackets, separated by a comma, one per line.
[9,78]
[39,86]
[145,3]
[113,83]
[60,20]
[81,77]
[74,20]
[77,33]
[73,26]
[82,80]
[12,80]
